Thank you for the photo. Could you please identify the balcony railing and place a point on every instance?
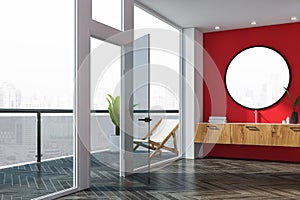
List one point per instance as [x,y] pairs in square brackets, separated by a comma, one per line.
[46,123]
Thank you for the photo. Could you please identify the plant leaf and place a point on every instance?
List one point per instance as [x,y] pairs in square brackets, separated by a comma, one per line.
[289,95]
[116,110]
[114,116]
[109,102]
[135,105]
[111,97]
[297,101]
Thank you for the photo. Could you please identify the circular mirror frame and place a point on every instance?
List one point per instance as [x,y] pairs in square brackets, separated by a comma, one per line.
[250,47]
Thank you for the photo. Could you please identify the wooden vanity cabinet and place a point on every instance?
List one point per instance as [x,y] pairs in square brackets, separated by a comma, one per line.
[284,135]
[212,133]
[251,134]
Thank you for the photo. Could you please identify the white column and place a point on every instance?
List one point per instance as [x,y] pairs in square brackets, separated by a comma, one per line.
[198,76]
[191,108]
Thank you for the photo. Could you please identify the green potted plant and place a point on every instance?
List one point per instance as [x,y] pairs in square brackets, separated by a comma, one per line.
[294,117]
[114,113]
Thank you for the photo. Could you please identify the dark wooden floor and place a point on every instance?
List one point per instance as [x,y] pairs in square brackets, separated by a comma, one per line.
[199,179]
[183,179]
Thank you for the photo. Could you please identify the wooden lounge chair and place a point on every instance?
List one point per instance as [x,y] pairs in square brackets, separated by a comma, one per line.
[159,135]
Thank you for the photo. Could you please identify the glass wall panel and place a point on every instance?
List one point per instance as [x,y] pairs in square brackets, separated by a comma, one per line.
[37,79]
[17,139]
[164,73]
[105,81]
[37,54]
[164,58]
[57,135]
[108,12]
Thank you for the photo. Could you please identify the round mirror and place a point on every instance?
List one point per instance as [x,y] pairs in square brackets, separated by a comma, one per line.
[256,77]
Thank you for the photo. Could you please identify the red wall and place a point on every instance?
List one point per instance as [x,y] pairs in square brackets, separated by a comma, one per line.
[221,47]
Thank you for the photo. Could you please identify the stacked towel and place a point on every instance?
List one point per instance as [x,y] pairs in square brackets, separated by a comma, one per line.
[217,119]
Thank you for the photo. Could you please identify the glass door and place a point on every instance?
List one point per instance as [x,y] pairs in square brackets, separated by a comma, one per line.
[141,113]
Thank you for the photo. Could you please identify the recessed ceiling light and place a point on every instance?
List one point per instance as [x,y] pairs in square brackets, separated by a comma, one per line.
[294,18]
[253,23]
[217,27]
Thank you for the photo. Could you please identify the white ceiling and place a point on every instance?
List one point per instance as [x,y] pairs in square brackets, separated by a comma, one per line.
[229,14]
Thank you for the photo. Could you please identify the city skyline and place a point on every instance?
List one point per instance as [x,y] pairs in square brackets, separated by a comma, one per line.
[13,97]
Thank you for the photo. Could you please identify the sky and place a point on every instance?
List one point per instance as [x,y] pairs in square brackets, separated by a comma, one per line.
[37,51]
[37,47]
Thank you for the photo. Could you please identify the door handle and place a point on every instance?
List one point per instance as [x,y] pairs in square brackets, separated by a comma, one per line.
[146,119]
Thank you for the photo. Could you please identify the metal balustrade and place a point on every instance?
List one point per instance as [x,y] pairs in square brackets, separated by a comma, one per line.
[39,114]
